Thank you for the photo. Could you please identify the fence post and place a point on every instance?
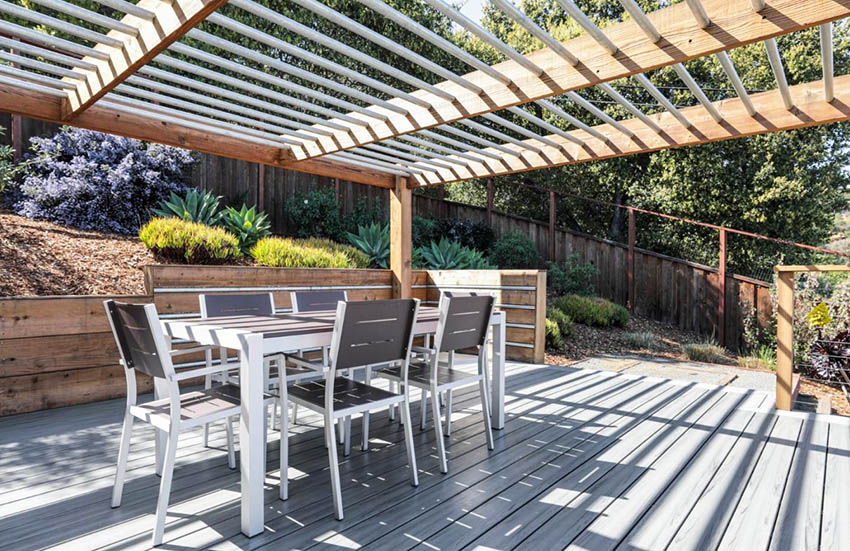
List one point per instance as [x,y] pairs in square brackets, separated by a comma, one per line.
[785,340]
[630,269]
[721,305]
[552,216]
[490,202]
[261,187]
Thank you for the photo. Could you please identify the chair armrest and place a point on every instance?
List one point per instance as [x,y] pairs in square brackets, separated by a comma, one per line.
[204,348]
[200,372]
[301,362]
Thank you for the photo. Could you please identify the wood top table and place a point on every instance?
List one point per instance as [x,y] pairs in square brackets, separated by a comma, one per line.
[255,336]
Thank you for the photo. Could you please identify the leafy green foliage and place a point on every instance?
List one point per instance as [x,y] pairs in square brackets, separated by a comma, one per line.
[247,225]
[473,235]
[424,231]
[315,214]
[571,277]
[194,207]
[565,324]
[177,240]
[554,339]
[306,253]
[7,167]
[593,311]
[449,255]
[514,250]
[374,241]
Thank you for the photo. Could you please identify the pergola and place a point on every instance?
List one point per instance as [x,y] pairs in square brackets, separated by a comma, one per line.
[124,80]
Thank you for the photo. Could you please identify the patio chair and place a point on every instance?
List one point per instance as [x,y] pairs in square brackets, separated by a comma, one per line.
[144,349]
[365,333]
[250,304]
[318,301]
[464,321]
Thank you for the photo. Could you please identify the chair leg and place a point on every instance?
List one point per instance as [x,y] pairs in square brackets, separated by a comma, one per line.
[284,444]
[391,407]
[334,468]
[123,452]
[207,385]
[346,446]
[485,411]
[165,487]
[364,444]
[294,413]
[404,406]
[438,428]
[449,412]
[423,410]
[231,454]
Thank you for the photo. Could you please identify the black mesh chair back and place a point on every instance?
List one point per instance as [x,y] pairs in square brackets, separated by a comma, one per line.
[250,304]
[317,301]
[373,332]
[467,318]
[134,335]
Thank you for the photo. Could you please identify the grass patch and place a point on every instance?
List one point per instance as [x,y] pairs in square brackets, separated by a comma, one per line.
[643,340]
[593,311]
[761,357]
[707,351]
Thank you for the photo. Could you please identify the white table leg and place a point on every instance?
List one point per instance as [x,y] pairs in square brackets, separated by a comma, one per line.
[497,405]
[252,433]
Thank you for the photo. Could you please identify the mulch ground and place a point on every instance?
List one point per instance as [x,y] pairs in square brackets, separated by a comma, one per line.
[40,258]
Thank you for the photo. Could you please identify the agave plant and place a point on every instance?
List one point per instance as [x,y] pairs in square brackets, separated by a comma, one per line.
[247,225]
[195,207]
[374,241]
[450,255]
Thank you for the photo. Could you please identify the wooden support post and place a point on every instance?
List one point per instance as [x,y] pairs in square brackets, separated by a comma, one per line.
[490,202]
[785,341]
[401,219]
[16,133]
[540,319]
[721,285]
[630,268]
[261,187]
[552,216]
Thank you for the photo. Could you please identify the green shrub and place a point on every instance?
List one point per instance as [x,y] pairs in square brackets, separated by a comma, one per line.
[707,352]
[514,250]
[373,241]
[424,231]
[593,311]
[247,225]
[643,340]
[306,253]
[176,240]
[571,277]
[194,207]
[449,255]
[315,214]
[762,357]
[554,339]
[565,324]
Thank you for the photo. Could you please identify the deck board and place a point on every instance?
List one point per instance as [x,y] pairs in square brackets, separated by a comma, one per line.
[587,460]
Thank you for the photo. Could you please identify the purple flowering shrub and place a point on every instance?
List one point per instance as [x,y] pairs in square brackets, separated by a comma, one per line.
[97,181]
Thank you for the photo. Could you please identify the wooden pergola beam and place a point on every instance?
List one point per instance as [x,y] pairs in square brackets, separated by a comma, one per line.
[810,109]
[33,104]
[733,24]
[170,21]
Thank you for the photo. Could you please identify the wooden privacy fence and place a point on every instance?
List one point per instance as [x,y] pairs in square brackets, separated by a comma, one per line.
[58,351]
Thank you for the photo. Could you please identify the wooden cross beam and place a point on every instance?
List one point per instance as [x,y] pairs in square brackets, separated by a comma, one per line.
[810,109]
[733,23]
[168,22]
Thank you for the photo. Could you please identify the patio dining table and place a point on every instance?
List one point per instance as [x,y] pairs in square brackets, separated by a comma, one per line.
[256,336]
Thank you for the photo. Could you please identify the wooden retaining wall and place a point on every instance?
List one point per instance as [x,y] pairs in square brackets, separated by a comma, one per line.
[58,351]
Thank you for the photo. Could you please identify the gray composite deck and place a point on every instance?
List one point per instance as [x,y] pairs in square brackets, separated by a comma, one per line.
[587,460]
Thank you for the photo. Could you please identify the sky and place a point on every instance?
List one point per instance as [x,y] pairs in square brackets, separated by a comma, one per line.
[473,9]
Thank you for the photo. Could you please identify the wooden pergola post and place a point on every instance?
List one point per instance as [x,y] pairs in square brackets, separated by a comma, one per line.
[630,261]
[785,341]
[401,237]
[721,284]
